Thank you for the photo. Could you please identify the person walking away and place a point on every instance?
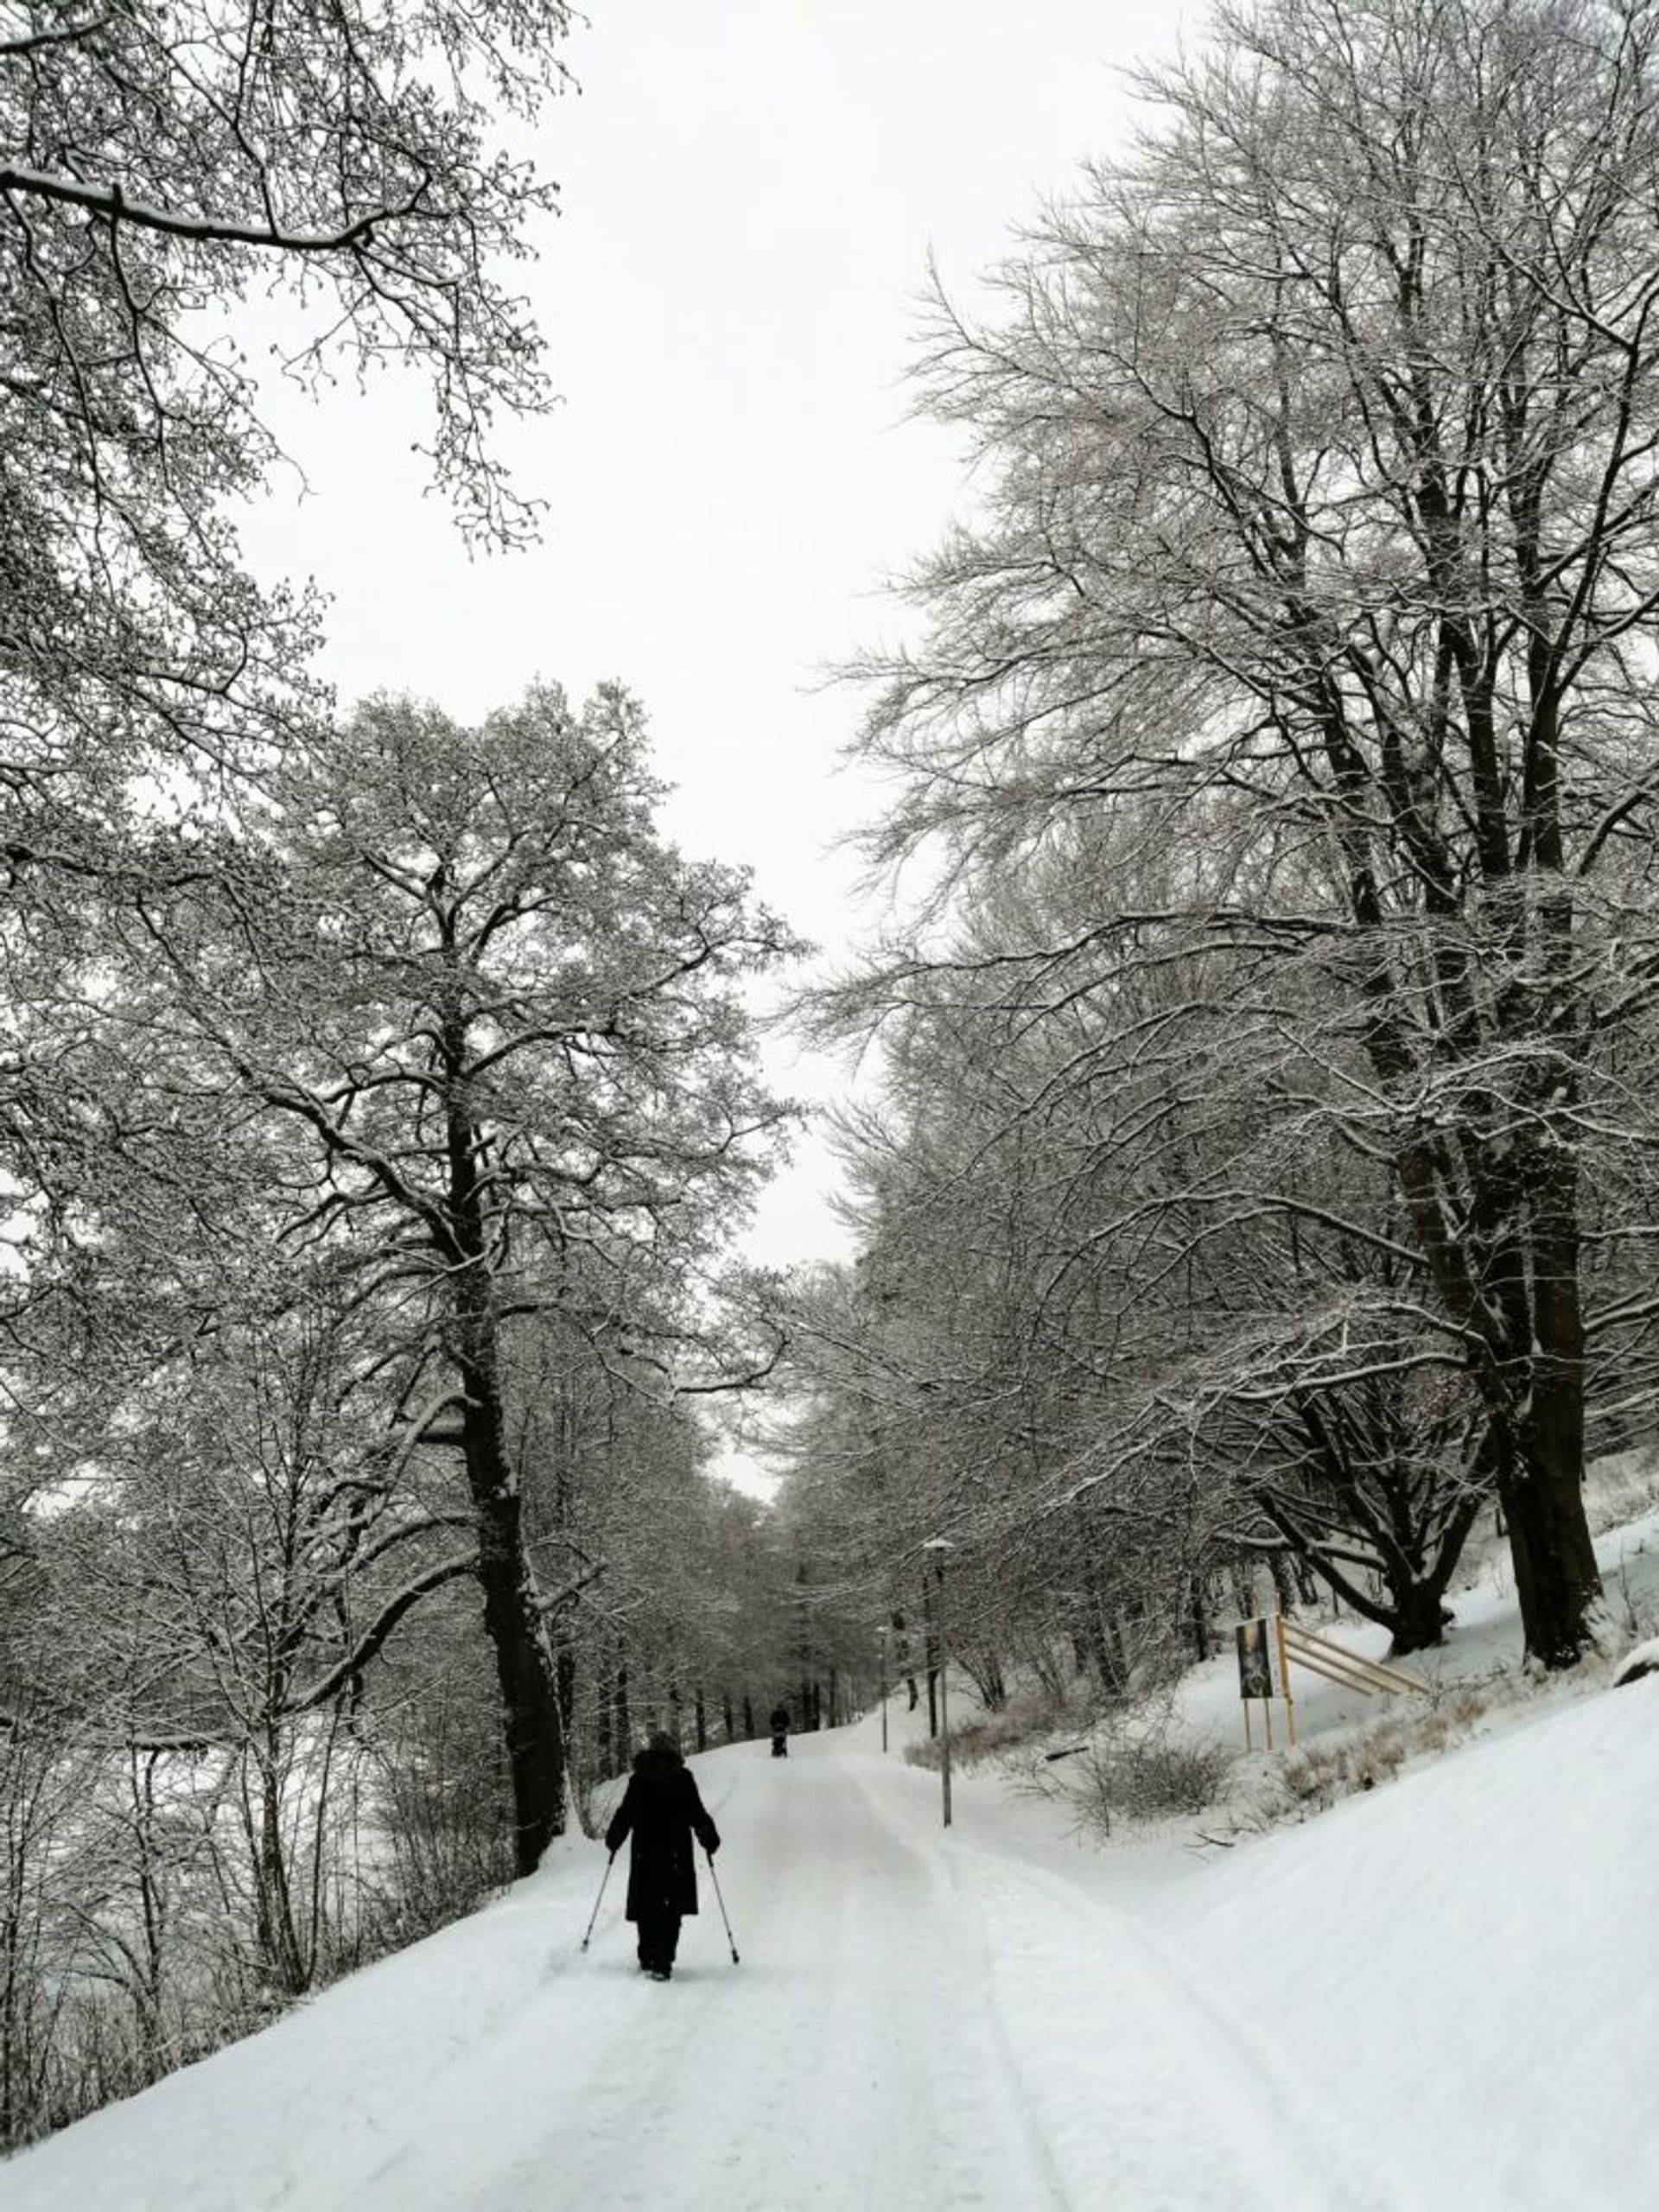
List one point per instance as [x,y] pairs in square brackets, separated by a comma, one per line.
[662,1810]
[781,1731]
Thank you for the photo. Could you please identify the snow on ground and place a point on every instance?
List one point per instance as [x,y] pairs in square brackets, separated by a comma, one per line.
[1432,1999]
[1460,1968]
[1438,1997]
[1481,1647]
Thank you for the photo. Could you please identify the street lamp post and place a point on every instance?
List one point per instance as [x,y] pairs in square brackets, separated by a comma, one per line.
[881,1641]
[938,1545]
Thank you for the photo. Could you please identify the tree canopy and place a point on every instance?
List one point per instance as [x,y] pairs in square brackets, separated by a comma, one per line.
[166,168]
[1302,627]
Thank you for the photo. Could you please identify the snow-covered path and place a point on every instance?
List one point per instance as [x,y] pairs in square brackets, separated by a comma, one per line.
[915,2023]
[850,2060]
[920,2024]
[1436,1997]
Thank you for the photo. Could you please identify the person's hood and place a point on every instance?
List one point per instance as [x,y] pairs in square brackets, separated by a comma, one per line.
[656,1760]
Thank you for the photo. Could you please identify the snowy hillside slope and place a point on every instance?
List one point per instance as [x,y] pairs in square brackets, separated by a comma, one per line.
[1438,1998]
[1460,1968]
[1483,1644]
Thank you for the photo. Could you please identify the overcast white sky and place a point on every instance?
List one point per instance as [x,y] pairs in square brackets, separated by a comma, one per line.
[750,190]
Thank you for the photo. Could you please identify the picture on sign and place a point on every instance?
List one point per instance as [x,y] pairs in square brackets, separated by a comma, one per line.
[1258,1660]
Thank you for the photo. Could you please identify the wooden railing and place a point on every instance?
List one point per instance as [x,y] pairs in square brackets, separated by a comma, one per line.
[1320,1656]
[1269,1647]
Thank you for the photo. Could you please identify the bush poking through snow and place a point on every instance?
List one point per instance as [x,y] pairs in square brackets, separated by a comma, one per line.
[1319,1773]
[1149,1777]
[992,1735]
[1135,1764]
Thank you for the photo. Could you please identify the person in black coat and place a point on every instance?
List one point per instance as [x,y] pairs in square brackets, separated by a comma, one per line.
[781,1731]
[662,1810]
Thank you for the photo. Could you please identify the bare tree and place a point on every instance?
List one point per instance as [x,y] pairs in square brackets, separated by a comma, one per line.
[1318,551]
[165,169]
[502,1024]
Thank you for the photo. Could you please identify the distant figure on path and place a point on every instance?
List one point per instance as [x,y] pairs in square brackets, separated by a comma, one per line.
[662,1810]
[781,1731]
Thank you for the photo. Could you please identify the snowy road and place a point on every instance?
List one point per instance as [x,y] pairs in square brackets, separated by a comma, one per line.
[920,2024]
[916,2023]
[1340,2017]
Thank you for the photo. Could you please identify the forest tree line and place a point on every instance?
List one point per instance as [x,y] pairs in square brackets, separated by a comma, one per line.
[379,1101]
[1262,1163]
[386,1120]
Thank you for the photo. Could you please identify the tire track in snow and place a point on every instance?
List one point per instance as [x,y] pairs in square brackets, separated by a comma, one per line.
[847,2065]
[920,2023]
[1147,2095]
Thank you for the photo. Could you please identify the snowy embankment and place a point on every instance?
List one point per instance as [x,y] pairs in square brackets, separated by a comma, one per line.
[1485,1642]
[1438,1996]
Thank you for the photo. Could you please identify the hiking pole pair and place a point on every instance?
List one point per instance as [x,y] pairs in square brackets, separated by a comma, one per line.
[714,1878]
[600,1899]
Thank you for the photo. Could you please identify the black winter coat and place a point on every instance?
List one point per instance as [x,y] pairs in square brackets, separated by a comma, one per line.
[662,1810]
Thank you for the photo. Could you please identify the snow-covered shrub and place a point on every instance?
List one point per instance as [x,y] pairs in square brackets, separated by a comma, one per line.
[444,1820]
[970,1745]
[1147,1773]
[41,1787]
[1316,1775]
[1027,1714]
[1621,1485]
[1319,1773]
[1629,1595]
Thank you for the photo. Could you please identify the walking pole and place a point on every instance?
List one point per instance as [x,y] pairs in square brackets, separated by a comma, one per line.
[714,1878]
[600,1899]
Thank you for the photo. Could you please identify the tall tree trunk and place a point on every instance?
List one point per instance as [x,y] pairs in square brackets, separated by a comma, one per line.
[565,1675]
[1278,1568]
[524,1667]
[1556,1578]
[603,1745]
[278,1939]
[1557,1582]
[622,1719]
[523,1662]
[1198,1617]
[513,1621]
